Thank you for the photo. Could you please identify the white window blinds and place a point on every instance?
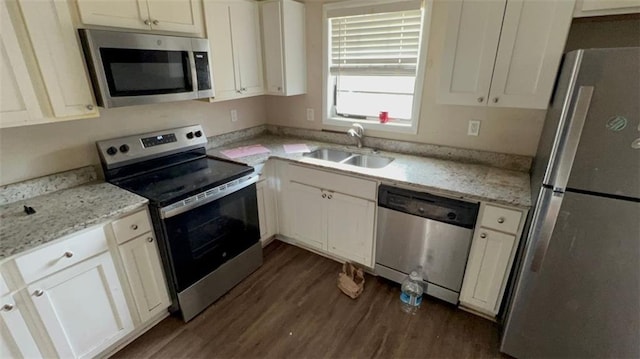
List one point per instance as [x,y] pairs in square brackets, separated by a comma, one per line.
[380,43]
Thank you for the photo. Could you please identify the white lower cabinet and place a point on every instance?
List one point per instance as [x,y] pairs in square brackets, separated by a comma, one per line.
[16,340]
[266,210]
[82,308]
[141,261]
[329,212]
[491,256]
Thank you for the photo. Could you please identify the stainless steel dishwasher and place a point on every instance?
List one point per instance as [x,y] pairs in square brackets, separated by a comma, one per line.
[420,229]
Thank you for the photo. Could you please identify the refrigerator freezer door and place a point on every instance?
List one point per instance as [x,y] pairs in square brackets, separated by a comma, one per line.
[584,299]
[606,160]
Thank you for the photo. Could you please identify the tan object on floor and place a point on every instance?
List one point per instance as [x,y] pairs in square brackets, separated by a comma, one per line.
[351,280]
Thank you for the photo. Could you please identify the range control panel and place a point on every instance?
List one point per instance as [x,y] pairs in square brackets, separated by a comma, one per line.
[121,151]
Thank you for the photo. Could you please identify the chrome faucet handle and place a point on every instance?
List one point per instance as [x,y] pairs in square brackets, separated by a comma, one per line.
[359,129]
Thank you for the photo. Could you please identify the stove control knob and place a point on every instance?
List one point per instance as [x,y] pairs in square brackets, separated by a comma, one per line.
[124,148]
[198,133]
[112,151]
[190,135]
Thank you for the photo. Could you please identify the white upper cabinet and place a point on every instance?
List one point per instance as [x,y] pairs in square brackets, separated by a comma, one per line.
[234,35]
[60,62]
[503,53]
[283,39]
[165,15]
[18,101]
[605,7]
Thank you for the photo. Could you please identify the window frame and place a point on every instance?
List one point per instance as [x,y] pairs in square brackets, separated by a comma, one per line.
[328,111]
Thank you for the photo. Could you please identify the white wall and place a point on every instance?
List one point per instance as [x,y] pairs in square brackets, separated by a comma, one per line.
[33,151]
[502,130]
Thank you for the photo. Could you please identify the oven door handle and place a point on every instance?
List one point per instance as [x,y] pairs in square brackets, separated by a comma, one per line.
[201,199]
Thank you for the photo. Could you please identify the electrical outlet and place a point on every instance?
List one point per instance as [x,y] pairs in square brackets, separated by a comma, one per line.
[310,114]
[234,115]
[474,128]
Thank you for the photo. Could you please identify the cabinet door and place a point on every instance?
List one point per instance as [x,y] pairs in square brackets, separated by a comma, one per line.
[142,266]
[605,7]
[218,20]
[273,50]
[245,30]
[305,208]
[486,271]
[57,49]
[262,211]
[472,35]
[175,15]
[16,340]
[82,308]
[350,223]
[18,101]
[130,14]
[531,44]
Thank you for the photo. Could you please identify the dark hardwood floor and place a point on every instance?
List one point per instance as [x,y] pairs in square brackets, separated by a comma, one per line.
[292,308]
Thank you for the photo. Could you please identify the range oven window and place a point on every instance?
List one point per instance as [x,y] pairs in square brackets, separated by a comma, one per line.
[133,72]
[204,238]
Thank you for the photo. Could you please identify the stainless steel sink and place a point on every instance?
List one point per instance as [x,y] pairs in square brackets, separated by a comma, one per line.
[368,161]
[329,154]
[348,158]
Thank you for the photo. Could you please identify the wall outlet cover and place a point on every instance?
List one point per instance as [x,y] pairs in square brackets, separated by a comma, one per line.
[234,115]
[310,114]
[474,128]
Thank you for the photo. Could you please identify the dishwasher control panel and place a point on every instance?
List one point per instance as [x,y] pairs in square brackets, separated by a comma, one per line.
[447,210]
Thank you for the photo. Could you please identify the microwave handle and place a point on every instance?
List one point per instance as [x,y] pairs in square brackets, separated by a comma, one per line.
[194,75]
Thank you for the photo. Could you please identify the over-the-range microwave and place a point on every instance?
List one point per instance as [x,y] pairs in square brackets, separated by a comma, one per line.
[133,69]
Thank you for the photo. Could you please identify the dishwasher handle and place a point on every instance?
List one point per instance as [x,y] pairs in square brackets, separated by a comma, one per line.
[426,205]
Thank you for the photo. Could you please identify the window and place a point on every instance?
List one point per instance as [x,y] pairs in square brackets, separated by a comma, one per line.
[373,64]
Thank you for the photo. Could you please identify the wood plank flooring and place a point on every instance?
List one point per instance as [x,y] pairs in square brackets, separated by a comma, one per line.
[291,308]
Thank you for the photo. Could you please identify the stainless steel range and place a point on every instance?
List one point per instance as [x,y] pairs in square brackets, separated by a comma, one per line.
[204,211]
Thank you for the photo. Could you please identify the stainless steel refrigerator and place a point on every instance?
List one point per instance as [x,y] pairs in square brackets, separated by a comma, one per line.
[577,290]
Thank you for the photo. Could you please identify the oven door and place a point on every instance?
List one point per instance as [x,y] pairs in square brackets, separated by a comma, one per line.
[203,238]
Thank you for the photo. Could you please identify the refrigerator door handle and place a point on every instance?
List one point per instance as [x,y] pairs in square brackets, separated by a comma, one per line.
[543,225]
[567,153]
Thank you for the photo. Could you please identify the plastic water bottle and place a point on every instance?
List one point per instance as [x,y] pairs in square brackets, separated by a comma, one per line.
[412,289]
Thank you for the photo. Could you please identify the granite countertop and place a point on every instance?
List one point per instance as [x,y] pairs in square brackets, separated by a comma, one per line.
[462,180]
[60,213]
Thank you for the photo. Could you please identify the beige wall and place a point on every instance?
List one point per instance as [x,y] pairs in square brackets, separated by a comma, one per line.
[502,130]
[33,151]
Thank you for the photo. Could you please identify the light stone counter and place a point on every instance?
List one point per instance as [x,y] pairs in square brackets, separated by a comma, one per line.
[461,180]
[60,213]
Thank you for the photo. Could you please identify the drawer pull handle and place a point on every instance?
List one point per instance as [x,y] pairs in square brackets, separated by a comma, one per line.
[68,254]
[483,235]
[7,307]
[39,292]
[150,239]
[134,227]
[501,220]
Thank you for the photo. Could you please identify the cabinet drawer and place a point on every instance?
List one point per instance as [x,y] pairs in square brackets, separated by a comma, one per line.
[333,182]
[502,219]
[50,259]
[131,226]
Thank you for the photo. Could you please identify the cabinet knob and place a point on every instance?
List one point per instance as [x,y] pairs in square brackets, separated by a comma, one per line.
[90,107]
[501,220]
[150,239]
[279,88]
[480,99]
[156,22]
[244,89]
[324,195]
[134,227]
[147,22]
[239,91]
[495,99]
[7,307]
[483,235]
[68,254]
[330,196]
[38,293]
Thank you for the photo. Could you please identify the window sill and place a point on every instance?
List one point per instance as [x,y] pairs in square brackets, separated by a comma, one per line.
[372,125]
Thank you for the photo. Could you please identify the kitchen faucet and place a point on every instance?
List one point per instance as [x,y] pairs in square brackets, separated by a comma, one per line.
[357,131]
